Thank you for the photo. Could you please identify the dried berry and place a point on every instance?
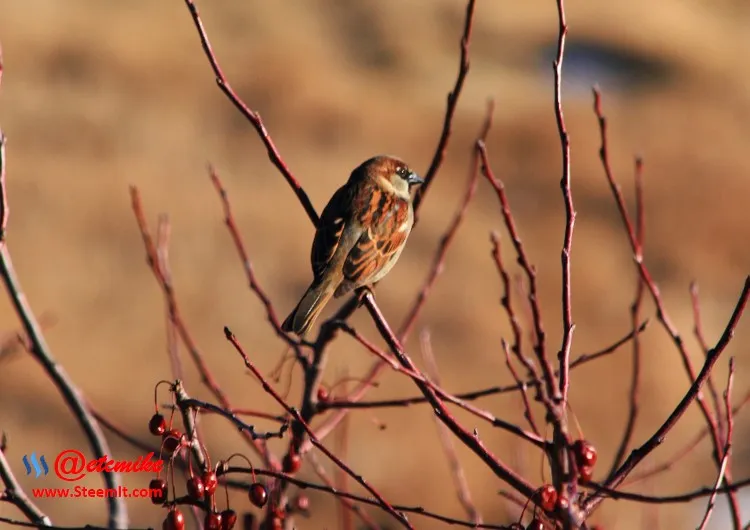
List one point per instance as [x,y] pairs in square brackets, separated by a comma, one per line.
[258,494]
[174,520]
[157,425]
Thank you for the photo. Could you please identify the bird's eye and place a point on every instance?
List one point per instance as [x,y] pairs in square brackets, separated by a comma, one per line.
[402,172]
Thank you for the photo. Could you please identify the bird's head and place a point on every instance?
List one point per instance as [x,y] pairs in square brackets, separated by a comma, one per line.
[390,173]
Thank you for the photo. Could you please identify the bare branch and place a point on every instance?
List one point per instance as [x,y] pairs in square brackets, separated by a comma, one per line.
[71,394]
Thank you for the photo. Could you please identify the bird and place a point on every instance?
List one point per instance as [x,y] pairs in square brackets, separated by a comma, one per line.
[359,237]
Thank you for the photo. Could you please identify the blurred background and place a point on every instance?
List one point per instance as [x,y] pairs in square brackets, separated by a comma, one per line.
[97,96]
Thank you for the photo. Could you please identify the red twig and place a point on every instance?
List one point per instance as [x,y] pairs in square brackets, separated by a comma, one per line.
[311,435]
[570,214]
[419,378]
[737,522]
[665,499]
[341,478]
[662,315]
[207,376]
[343,499]
[353,402]
[417,510]
[450,110]
[635,317]
[251,116]
[530,271]
[528,414]
[247,264]
[163,231]
[448,237]
[686,449]
[699,335]
[637,455]
[471,440]
[449,448]
[506,302]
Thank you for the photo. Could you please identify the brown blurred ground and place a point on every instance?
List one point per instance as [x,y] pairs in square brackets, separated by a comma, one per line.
[97,96]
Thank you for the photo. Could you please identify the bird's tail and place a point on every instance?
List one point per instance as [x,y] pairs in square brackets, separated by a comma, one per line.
[309,307]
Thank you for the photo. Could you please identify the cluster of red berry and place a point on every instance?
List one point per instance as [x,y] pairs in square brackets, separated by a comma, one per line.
[199,487]
[548,499]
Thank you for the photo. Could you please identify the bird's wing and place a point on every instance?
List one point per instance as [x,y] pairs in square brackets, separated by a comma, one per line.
[335,231]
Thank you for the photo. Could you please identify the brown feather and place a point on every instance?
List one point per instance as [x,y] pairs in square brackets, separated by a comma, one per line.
[309,307]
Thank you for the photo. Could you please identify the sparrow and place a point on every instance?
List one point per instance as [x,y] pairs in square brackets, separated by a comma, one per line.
[359,237]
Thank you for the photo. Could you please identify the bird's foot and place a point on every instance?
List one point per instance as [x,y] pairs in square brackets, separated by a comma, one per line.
[362,292]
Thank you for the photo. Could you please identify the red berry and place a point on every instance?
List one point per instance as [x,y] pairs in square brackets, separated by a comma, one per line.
[585,473]
[547,497]
[171,441]
[195,488]
[535,524]
[585,453]
[258,494]
[159,492]
[563,503]
[276,524]
[228,519]
[323,394]
[157,425]
[210,482]
[174,520]
[212,521]
[291,462]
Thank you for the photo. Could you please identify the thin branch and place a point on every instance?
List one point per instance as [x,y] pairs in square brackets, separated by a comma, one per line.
[528,268]
[343,499]
[417,510]
[247,264]
[699,335]
[15,495]
[72,395]
[637,455]
[341,478]
[167,288]
[438,261]
[463,70]
[251,116]
[296,415]
[354,402]
[527,412]
[570,214]
[662,315]
[737,521]
[449,447]
[417,377]
[163,232]
[507,302]
[686,449]
[601,491]
[471,440]
[635,317]
[195,404]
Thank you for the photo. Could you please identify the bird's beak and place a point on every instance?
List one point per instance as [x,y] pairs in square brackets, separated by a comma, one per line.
[414,179]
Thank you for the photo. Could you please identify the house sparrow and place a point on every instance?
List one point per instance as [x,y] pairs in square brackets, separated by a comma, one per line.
[360,236]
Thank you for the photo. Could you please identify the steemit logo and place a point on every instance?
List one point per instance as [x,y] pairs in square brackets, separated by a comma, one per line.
[29,461]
